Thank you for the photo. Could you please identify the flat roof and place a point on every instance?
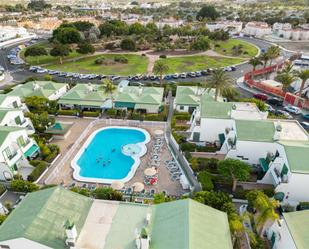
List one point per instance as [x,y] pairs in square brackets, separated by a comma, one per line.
[291,130]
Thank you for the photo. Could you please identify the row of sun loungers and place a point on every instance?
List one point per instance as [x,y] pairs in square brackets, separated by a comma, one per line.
[174,169]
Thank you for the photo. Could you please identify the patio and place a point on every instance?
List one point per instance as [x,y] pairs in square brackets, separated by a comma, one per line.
[61,171]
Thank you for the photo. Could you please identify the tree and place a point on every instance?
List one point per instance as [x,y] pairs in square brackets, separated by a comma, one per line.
[264,206]
[236,169]
[254,62]
[304,76]
[40,120]
[23,186]
[273,52]
[107,194]
[37,104]
[128,44]
[160,68]
[200,44]
[60,51]
[109,88]
[35,51]
[67,35]
[264,57]
[207,12]
[39,5]
[85,48]
[220,81]
[286,77]
[205,179]
[136,29]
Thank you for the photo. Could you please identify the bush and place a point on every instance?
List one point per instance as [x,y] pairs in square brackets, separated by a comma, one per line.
[187,147]
[91,114]
[35,51]
[99,61]
[128,44]
[270,192]
[107,194]
[23,186]
[205,179]
[121,59]
[209,164]
[303,206]
[81,191]
[163,56]
[68,112]
[111,113]
[40,167]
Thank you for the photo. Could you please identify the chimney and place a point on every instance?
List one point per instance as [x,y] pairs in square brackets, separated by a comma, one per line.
[71,232]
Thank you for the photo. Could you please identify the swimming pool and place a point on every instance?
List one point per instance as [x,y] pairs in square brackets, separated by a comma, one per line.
[104,157]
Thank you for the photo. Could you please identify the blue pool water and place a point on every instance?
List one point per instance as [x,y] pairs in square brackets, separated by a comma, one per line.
[103,157]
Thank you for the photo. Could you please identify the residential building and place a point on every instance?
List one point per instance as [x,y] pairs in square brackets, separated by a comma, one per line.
[46,89]
[291,231]
[278,149]
[233,27]
[7,101]
[13,35]
[85,97]
[147,99]
[58,218]
[294,34]
[257,29]
[280,26]
[188,98]
[16,148]
[15,118]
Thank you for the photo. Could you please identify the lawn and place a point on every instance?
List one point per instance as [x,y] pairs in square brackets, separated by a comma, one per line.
[136,65]
[226,48]
[45,59]
[198,62]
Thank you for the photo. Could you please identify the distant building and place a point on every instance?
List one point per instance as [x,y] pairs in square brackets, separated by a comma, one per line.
[59,218]
[232,27]
[257,29]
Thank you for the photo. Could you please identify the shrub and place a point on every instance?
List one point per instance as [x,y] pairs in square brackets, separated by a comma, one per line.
[40,167]
[111,112]
[99,61]
[187,147]
[121,59]
[163,56]
[68,112]
[91,114]
[81,191]
[128,44]
[2,218]
[23,186]
[205,179]
[107,194]
[270,192]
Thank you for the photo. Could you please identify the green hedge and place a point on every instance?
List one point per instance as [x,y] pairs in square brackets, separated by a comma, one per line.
[91,114]
[23,186]
[205,179]
[68,112]
[40,167]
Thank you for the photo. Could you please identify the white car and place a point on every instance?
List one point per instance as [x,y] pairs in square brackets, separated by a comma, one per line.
[292,109]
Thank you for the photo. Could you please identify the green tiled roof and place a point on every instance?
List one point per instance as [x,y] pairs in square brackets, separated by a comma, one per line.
[2,98]
[255,130]
[6,130]
[297,155]
[186,95]
[220,110]
[298,224]
[84,95]
[187,224]
[146,95]
[46,88]
[41,216]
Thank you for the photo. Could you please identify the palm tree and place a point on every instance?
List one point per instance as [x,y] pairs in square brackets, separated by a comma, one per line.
[273,53]
[264,58]
[304,76]
[286,77]
[220,81]
[254,62]
[109,88]
[160,68]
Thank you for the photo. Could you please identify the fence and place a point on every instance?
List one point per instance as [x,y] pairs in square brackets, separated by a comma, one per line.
[184,164]
[107,122]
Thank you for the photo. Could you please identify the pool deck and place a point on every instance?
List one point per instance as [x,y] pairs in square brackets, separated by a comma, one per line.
[65,175]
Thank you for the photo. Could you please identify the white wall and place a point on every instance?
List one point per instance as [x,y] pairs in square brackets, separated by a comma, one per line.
[9,100]
[251,150]
[284,239]
[24,244]
[59,93]
[211,128]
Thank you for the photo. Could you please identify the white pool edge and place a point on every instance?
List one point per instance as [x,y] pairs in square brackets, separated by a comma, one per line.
[136,158]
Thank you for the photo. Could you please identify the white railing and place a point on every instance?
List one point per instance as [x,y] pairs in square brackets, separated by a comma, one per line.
[107,122]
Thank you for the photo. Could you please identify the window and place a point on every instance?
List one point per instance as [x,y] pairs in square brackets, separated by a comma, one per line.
[15,105]
[18,120]
[7,153]
[21,141]
[181,107]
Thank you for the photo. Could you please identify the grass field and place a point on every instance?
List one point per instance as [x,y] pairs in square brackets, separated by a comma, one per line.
[226,48]
[136,65]
[199,62]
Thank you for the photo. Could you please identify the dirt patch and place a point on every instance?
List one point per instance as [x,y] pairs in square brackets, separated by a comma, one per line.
[174,53]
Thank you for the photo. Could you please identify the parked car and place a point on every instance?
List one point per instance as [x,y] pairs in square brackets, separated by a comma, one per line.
[270,108]
[192,74]
[233,68]
[305,125]
[275,101]
[306,116]
[175,75]
[168,77]
[41,70]
[292,109]
[284,113]
[198,73]
[153,77]
[115,78]
[205,72]
[183,75]
[260,96]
